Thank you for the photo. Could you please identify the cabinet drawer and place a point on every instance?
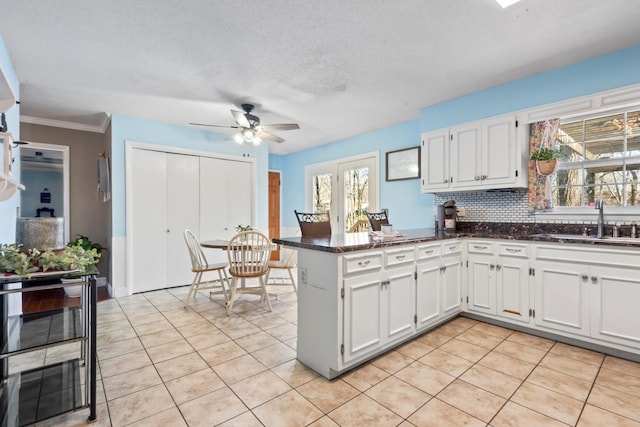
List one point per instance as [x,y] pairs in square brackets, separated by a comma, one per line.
[429,251]
[513,250]
[363,262]
[449,248]
[399,256]
[479,247]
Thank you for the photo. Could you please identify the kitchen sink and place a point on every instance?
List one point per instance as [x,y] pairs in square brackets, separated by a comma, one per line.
[580,237]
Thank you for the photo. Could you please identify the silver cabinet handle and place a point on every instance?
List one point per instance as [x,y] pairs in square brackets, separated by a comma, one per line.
[513,250]
[594,279]
[478,247]
[385,282]
[492,266]
[498,267]
[477,178]
[584,277]
[428,252]
[400,257]
[452,248]
[484,177]
[363,264]
[445,181]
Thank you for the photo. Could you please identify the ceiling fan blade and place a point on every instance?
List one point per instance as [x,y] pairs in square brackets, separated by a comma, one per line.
[240,118]
[214,126]
[269,136]
[281,126]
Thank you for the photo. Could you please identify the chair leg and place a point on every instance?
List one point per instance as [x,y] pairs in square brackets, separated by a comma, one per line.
[265,295]
[293,282]
[194,285]
[234,283]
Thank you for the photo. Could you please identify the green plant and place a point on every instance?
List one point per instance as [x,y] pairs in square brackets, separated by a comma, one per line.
[86,243]
[240,228]
[13,260]
[546,153]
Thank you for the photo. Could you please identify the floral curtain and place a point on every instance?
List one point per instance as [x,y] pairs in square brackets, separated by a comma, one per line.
[543,134]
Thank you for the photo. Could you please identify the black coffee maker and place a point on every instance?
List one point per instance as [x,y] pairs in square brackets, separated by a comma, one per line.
[450,215]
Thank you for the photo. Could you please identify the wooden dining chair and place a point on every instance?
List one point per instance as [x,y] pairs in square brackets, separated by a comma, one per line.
[287,263]
[248,253]
[377,219]
[314,224]
[200,266]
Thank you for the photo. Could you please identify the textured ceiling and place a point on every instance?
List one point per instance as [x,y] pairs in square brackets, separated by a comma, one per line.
[337,67]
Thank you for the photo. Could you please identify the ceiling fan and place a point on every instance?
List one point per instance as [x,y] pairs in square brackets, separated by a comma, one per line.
[249,127]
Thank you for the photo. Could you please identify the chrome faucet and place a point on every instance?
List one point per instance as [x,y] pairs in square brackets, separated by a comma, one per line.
[599,206]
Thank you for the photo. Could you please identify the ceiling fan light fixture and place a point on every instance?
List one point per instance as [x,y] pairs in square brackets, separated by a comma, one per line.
[257,140]
[237,138]
[248,135]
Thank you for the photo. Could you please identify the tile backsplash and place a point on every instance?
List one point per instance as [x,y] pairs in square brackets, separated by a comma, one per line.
[491,206]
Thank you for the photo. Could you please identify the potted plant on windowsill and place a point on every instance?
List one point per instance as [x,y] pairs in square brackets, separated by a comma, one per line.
[546,159]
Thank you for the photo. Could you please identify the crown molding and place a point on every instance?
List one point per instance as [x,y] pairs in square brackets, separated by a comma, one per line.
[67,125]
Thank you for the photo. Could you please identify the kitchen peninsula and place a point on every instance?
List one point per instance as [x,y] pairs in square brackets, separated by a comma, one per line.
[358,296]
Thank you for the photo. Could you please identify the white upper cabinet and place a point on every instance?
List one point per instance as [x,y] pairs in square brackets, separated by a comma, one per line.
[487,154]
[435,160]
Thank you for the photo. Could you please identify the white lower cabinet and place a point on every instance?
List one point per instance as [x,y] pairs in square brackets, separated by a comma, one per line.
[615,294]
[378,310]
[562,296]
[589,292]
[451,278]
[498,279]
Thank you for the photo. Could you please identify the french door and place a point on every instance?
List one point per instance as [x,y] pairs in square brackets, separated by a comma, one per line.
[348,188]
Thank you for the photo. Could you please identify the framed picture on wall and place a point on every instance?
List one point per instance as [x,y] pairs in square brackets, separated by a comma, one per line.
[403,164]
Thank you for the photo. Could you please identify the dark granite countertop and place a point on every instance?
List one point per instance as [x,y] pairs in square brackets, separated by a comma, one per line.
[559,233]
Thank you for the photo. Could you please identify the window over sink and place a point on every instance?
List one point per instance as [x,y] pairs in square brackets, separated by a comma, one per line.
[601,160]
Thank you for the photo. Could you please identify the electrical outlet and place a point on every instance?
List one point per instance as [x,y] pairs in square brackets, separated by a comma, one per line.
[303,276]
[461,212]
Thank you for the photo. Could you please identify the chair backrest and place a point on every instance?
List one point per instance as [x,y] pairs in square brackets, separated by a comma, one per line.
[248,254]
[198,260]
[314,224]
[377,219]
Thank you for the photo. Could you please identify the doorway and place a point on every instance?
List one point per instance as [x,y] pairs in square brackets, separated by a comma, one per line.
[348,188]
[45,174]
[274,211]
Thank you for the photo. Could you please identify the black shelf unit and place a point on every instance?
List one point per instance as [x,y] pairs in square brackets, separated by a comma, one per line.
[36,394]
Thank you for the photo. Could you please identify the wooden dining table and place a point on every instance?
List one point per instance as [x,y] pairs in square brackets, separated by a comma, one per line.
[215,244]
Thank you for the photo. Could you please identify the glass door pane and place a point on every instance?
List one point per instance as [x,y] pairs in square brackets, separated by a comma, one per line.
[358,194]
[322,184]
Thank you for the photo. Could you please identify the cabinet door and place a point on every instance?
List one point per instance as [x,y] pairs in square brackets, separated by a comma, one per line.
[435,160]
[512,288]
[499,151]
[399,299]
[451,295]
[362,316]
[562,296]
[481,283]
[615,293]
[465,156]
[428,298]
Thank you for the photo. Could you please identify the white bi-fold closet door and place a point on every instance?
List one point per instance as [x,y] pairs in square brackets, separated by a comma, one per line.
[171,192]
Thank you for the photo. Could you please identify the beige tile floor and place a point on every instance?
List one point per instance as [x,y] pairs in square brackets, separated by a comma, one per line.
[164,365]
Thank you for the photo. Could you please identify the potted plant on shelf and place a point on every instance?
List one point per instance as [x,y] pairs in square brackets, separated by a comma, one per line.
[79,254]
[546,159]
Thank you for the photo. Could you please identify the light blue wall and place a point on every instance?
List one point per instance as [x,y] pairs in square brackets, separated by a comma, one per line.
[408,207]
[8,207]
[610,71]
[124,128]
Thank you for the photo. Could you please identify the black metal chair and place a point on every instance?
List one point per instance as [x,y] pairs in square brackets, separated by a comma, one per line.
[314,224]
[377,219]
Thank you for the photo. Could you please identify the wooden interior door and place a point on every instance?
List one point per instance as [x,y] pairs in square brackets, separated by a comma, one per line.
[274,210]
